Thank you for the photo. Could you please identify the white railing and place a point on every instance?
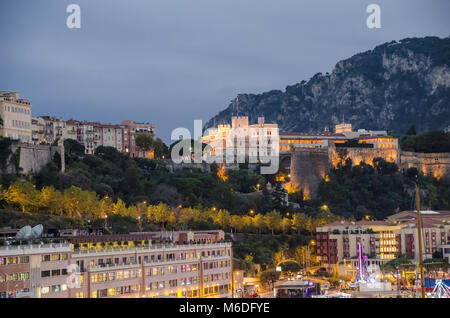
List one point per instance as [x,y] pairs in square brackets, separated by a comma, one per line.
[35,248]
[156,247]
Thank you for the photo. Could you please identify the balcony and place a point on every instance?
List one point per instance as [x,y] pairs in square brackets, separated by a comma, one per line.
[105,267]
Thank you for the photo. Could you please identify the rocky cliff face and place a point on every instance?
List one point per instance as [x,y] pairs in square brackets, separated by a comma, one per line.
[391,87]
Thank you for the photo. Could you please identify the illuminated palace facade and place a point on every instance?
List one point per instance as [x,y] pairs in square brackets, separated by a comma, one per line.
[114,266]
[237,137]
[379,142]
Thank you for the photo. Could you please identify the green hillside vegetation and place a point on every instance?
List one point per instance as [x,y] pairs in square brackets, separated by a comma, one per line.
[379,190]
[429,142]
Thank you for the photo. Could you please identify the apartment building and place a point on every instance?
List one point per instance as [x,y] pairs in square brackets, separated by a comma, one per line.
[191,270]
[111,136]
[115,266]
[339,241]
[37,132]
[91,135]
[49,129]
[435,237]
[34,271]
[384,240]
[16,115]
[131,130]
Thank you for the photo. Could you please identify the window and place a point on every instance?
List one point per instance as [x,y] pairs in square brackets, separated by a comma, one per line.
[24,259]
[46,258]
[56,272]
[172,269]
[173,283]
[111,291]
[45,290]
[56,288]
[45,274]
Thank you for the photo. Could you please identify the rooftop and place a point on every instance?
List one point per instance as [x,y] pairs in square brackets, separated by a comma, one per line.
[358,223]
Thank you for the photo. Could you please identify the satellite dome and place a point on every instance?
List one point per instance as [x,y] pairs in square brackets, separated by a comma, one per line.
[24,233]
[37,231]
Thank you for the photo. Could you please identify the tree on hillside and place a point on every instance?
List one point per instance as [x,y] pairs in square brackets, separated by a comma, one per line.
[24,194]
[278,197]
[258,222]
[299,221]
[73,148]
[144,142]
[161,149]
[269,277]
[290,267]
[273,220]
[166,194]
[436,141]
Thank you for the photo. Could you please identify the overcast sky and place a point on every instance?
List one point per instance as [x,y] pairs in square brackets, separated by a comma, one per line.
[169,62]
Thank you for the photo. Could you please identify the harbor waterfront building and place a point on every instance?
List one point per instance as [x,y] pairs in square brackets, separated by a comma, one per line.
[40,271]
[112,266]
[382,241]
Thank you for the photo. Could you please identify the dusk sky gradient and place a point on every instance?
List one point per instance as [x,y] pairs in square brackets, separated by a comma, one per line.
[169,62]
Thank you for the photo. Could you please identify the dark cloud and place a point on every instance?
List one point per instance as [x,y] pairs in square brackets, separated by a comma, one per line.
[172,61]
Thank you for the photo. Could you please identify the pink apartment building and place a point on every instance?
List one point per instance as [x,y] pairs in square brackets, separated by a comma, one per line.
[123,266]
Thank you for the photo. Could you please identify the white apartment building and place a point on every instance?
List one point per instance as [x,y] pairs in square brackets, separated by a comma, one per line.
[16,115]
